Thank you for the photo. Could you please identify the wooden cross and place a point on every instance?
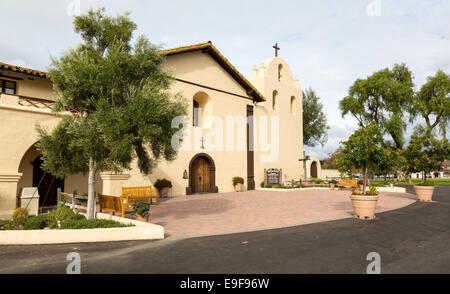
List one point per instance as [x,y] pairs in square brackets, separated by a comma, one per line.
[202,140]
[276,49]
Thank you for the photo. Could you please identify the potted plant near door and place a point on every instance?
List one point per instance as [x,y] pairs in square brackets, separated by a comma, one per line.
[141,211]
[163,186]
[237,183]
[333,184]
[364,149]
[425,154]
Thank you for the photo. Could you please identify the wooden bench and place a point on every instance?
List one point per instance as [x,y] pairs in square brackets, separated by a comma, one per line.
[123,204]
[141,193]
[112,204]
[131,195]
[348,183]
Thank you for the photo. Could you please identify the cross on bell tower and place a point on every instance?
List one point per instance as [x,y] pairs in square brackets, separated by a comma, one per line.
[276,49]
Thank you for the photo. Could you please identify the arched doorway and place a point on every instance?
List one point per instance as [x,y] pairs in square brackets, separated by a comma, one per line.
[48,184]
[202,175]
[314,170]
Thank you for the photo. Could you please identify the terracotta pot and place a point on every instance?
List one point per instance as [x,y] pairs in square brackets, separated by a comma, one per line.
[332,186]
[424,193]
[364,206]
[238,187]
[164,192]
[141,218]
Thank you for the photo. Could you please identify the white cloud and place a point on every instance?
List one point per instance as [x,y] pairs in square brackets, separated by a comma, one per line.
[328,44]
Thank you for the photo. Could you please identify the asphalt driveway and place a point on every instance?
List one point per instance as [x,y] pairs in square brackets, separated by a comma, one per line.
[413,239]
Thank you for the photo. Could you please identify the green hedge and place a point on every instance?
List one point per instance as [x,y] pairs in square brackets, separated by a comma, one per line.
[92,224]
[37,222]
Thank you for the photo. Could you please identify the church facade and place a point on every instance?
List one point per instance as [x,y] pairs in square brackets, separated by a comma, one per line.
[235,128]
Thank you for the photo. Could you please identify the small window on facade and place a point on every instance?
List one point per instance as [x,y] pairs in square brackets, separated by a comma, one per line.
[280,68]
[195,114]
[293,106]
[7,87]
[274,100]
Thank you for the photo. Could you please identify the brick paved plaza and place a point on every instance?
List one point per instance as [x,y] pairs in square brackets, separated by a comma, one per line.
[225,213]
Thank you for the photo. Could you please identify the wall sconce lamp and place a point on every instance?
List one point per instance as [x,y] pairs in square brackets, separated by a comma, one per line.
[185,174]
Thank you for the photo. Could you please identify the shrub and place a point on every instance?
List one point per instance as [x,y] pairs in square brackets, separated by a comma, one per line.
[61,215]
[20,216]
[6,225]
[333,182]
[162,183]
[36,222]
[372,192]
[141,208]
[269,186]
[262,185]
[75,224]
[62,198]
[426,184]
[238,180]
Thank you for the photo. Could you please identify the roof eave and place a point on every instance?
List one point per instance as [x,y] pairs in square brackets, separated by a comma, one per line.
[209,48]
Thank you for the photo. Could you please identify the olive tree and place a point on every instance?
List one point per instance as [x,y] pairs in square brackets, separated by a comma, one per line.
[121,107]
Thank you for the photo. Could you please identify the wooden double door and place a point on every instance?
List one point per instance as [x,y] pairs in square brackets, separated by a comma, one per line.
[202,175]
[47,184]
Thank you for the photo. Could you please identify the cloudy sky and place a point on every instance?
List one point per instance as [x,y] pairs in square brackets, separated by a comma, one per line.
[328,44]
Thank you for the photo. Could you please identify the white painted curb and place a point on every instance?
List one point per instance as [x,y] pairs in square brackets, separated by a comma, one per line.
[141,231]
[292,190]
[392,189]
[380,189]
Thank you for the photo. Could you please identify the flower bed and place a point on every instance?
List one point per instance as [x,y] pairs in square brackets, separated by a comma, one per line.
[60,218]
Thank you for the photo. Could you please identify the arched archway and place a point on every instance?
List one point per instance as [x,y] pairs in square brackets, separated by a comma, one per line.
[313,170]
[202,175]
[34,176]
[47,184]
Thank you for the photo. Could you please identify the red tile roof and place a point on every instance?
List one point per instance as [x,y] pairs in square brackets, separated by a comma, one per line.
[23,70]
[207,47]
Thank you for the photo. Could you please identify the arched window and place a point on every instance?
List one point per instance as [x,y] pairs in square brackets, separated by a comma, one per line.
[275,100]
[293,108]
[280,68]
[195,114]
[202,108]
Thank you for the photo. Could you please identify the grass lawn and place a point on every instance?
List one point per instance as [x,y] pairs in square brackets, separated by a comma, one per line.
[437,182]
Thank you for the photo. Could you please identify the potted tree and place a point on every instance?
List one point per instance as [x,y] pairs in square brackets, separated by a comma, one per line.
[424,191]
[425,154]
[237,183]
[141,211]
[333,184]
[363,150]
[364,204]
[163,186]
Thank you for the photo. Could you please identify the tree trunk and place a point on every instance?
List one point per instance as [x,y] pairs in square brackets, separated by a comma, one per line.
[364,179]
[91,205]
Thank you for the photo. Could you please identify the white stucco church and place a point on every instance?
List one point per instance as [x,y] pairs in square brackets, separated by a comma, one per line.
[237,127]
